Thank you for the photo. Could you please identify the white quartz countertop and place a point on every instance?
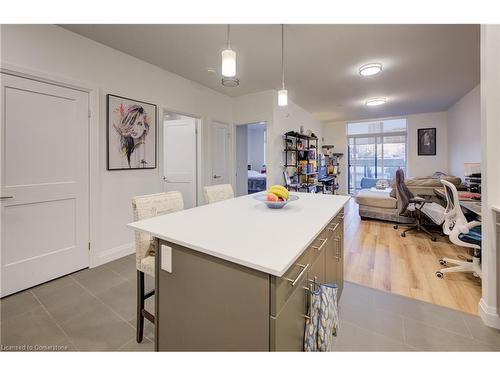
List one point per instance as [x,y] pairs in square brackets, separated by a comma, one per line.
[244,231]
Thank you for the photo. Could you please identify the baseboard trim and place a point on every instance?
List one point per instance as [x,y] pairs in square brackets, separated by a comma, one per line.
[489,315]
[112,254]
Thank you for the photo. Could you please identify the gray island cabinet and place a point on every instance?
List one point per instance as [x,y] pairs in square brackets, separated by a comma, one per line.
[236,275]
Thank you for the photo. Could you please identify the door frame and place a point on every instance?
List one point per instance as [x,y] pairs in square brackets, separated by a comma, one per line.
[198,131]
[231,162]
[93,150]
[233,145]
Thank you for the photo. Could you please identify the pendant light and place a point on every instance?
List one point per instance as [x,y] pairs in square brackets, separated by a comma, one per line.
[228,58]
[283,93]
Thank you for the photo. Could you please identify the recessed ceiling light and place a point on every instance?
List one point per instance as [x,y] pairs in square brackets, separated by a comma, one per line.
[370,69]
[375,101]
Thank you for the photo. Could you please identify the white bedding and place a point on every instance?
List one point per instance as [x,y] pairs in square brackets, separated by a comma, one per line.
[255,174]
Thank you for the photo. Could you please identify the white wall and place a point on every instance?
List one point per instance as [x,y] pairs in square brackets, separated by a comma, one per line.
[60,53]
[255,149]
[263,106]
[336,133]
[489,306]
[254,108]
[427,165]
[291,117]
[464,135]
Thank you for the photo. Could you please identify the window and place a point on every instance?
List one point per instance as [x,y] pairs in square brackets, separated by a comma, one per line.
[376,149]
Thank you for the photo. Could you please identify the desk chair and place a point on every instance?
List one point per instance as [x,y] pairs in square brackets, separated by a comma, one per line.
[461,233]
[289,184]
[412,206]
[145,207]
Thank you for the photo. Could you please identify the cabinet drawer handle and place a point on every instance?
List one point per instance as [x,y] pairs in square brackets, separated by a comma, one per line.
[334,228]
[324,241]
[308,296]
[340,248]
[299,276]
[337,246]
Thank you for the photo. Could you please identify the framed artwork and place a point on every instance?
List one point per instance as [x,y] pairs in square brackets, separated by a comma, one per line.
[426,141]
[130,134]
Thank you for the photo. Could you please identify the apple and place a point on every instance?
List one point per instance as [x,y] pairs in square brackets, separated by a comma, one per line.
[272,197]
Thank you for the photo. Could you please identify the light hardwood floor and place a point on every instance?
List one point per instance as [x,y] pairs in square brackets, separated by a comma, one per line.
[376,256]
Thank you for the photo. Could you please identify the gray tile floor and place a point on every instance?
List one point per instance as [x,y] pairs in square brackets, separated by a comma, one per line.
[91,310]
[94,309]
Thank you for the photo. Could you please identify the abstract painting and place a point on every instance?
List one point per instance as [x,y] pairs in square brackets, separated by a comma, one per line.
[426,141]
[131,134]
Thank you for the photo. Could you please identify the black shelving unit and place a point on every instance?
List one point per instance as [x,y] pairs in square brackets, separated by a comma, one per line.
[304,172]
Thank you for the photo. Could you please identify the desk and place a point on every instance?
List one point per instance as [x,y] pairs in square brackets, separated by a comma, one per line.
[471,205]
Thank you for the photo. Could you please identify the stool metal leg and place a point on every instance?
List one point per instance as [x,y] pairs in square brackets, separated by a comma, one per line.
[140,306]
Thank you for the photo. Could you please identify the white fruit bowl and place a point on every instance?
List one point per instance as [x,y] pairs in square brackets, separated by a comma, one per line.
[271,204]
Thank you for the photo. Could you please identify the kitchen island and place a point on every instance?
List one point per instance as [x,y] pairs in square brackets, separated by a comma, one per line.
[234,275]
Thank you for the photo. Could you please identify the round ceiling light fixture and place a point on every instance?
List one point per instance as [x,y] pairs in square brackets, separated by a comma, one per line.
[370,69]
[375,102]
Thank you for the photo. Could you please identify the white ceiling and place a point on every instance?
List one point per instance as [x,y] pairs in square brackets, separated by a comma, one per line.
[427,68]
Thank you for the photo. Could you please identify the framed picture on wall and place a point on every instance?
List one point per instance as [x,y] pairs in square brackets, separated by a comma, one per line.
[426,141]
[131,134]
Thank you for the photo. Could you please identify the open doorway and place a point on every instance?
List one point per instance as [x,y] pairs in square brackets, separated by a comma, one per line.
[251,170]
[180,156]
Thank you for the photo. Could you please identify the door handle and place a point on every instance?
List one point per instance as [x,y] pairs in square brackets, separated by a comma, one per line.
[7,197]
[166,179]
[215,176]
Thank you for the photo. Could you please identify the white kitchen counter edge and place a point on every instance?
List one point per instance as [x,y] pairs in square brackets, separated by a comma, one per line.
[241,262]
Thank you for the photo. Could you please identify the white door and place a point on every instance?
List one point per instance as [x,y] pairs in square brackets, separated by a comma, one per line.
[220,154]
[179,158]
[45,182]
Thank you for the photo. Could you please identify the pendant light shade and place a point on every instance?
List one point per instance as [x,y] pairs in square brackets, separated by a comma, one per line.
[228,58]
[283,98]
[283,93]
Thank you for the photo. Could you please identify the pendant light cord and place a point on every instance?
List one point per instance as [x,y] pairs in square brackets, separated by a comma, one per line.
[282,56]
[228,36]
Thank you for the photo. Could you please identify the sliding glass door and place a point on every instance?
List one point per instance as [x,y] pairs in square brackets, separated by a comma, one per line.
[375,151]
[362,160]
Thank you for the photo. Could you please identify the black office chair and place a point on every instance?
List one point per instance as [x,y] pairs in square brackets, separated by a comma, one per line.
[411,206]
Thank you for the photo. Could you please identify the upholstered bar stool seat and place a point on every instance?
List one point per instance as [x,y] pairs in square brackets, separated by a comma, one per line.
[145,207]
[217,193]
[147,265]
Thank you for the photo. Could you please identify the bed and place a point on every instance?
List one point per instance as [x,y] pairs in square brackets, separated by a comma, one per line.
[256,182]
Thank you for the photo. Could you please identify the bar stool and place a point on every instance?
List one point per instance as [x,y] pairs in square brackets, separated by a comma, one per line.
[217,193]
[145,207]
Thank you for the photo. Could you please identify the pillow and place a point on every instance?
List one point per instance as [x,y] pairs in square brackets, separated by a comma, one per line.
[382,184]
